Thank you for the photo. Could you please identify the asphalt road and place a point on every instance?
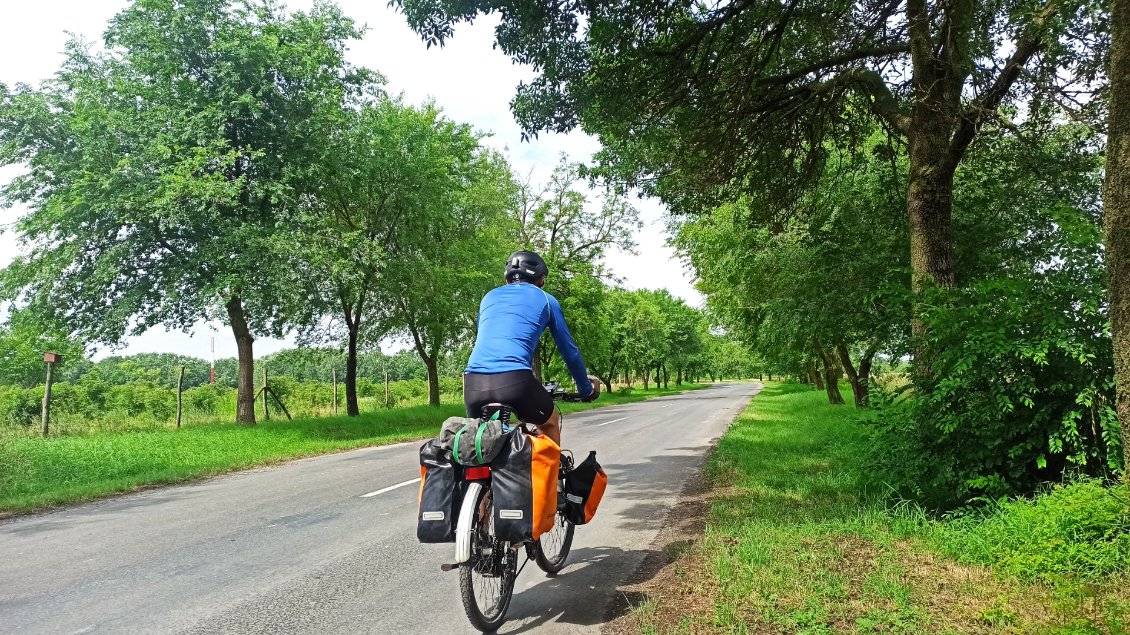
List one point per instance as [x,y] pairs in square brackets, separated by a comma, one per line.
[327,545]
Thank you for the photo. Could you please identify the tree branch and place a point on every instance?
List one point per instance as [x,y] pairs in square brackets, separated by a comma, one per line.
[838,60]
[882,100]
[984,108]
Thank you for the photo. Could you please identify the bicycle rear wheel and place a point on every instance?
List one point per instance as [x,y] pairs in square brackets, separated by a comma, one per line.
[486,581]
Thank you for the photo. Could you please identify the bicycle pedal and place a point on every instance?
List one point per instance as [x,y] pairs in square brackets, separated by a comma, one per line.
[448,567]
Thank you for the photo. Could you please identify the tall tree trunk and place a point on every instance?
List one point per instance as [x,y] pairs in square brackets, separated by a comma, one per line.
[865,376]
[929,201]
[930,210]
[679,377]
[351,404]
[646,377]
[537,361]
[858,390]
[860,379]
[432,363]
[1116,213]
[245,390]
[831,374]
[607,381]
[814,371]
[665,377]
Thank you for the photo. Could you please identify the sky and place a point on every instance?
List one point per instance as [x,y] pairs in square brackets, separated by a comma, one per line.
[471,80]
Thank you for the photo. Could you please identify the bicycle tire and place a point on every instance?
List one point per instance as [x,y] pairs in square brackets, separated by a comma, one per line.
[551,549]
[471,573]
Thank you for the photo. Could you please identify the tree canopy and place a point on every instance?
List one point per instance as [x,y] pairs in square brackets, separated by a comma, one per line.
[163,167]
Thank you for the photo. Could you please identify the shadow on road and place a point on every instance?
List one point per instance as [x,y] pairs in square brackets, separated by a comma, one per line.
[567,597]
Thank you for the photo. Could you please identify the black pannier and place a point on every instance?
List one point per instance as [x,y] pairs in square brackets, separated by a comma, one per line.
[441,493]
[584,487]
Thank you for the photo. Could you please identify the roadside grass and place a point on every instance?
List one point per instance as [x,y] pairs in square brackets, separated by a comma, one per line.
[37,473]
[795,545]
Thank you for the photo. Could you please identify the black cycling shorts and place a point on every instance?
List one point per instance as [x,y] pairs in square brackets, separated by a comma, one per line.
[518,389]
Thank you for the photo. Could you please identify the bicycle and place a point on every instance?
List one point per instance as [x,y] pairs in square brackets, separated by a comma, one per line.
[488,566]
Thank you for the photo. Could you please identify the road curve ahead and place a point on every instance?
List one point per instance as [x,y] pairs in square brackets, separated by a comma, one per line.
[327,545]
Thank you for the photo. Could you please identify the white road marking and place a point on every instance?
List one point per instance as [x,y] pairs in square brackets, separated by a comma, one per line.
[608,422]
[390,488]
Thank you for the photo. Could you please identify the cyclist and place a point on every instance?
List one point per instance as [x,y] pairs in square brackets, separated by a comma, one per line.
[511,320]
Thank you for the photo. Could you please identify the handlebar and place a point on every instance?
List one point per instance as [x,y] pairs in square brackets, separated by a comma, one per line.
[554,389]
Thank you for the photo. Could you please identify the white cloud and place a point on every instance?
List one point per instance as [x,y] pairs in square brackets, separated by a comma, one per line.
[470,79]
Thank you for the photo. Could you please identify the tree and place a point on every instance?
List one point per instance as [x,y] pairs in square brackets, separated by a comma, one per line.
[155,368]
[440,264]
[686,326]
[1116,214]
[645,329]
[573,235]
[387,175]
[822,291]
[699,104]
[735,360]
[23,340]
[164,170]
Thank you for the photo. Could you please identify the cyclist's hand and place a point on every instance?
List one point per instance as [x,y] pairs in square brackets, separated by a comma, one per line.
[595,381]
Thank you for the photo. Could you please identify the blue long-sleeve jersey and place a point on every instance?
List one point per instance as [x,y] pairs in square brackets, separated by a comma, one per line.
[511,320]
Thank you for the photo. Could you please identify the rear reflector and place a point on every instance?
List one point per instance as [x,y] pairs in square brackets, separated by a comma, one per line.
[476,473]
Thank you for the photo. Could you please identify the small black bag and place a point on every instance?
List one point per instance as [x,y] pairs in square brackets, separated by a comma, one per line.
[441,494]
[584,487]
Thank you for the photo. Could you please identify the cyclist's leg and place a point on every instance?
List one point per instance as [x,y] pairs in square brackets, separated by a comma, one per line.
[535,406]
[552,427]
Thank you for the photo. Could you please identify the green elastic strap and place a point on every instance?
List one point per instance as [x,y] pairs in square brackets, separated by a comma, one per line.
[479,441]
[455,446]
[494,417]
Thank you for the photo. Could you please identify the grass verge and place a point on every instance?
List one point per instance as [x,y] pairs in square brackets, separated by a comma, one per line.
[793,545]
[37,473]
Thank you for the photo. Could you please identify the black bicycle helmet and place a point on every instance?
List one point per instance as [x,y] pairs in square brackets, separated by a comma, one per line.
[526,266]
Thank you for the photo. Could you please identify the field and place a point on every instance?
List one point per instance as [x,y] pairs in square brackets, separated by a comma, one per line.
[36,472]
[91,405]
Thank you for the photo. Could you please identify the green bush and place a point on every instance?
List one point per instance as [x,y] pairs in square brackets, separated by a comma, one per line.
[1021,393]
[1080,529]
[141,400]
[306,398]
[208,400]
[19,406]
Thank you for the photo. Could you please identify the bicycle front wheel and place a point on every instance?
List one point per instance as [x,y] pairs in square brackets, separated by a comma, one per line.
[552,548]
[486,580]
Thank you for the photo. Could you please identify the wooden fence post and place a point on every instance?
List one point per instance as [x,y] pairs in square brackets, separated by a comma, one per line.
[47,399]
[266,410]
[281,405]
[180,395]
